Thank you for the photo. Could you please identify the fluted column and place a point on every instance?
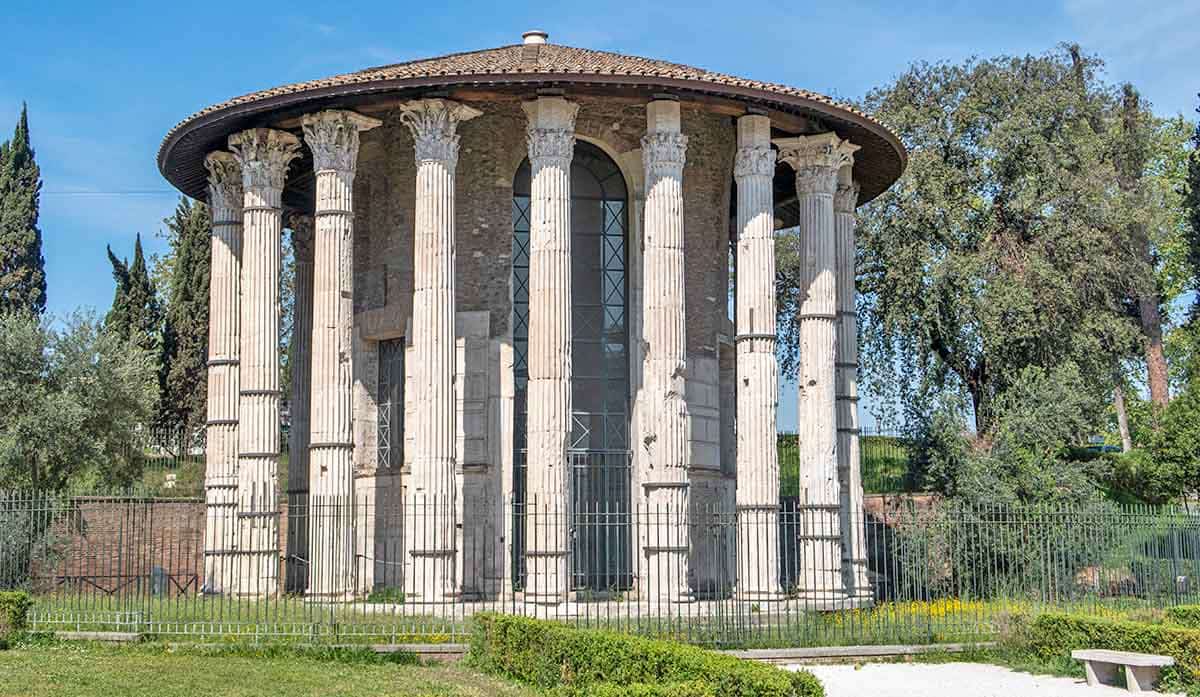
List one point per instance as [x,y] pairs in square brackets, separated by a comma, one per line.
[664,538]
[264,155]
[221,451]
[332,136]
[432,492]
[300,363]
[757,373]
[854,547]
[551,138]
[816,161]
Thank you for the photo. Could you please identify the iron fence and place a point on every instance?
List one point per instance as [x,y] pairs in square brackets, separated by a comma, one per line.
[386,568]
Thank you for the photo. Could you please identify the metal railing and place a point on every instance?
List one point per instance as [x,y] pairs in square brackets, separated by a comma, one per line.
[390,570]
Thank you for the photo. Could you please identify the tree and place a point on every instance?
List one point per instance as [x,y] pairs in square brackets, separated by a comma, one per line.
[135,314]
[184,351]
[71,403]
[999,250]
[22,267]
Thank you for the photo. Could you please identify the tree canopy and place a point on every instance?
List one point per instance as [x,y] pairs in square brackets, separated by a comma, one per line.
[22,267]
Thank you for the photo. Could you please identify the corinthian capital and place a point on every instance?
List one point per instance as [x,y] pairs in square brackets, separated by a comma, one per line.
[816,160]
[551,131]
[664,152]
[264,154]
[434,126]
[845,199]
[754,160]
[332,135]
[224,181]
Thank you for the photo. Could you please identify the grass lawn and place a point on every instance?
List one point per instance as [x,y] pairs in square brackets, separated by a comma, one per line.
[98,671]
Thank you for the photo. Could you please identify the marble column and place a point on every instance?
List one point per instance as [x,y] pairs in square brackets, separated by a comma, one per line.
[816,160]
[433,496]
[664,536]
[300,363]
[264,155]
[757,373]
[854,548]
[332,136]
[221,432]
[551,138]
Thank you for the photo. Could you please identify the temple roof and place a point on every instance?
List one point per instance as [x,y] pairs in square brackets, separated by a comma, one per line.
[535,65]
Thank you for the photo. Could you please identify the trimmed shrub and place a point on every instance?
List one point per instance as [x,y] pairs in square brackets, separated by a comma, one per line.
[14,614]
[1055,634]
[1184,615]
[595,663]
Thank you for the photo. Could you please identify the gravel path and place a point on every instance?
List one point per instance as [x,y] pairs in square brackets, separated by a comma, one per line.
[948,680]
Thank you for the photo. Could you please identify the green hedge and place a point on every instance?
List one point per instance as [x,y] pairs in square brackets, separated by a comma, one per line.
[1055,634]
[14,614]
[594,663]
[1184,615]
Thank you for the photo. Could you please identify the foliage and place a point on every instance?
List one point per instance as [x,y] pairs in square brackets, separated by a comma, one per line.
[135,314]
[71,401]
[1027,456]
[14,615]
[548,655]
[1167,465]
[1000,248]
[22,266]
[1053,634]
[1184,615]
[184,349]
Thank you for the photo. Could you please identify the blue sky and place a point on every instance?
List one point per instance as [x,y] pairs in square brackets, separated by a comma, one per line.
[105,81]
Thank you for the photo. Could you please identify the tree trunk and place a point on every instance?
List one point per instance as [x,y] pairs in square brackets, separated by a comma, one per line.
[1122,417]
[1130,165]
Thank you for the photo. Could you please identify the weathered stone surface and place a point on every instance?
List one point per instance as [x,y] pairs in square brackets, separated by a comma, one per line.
[816,161]
[264,155]
[333,137]
[220,469]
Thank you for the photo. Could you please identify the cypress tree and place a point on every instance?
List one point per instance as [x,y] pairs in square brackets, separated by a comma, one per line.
[22,266]
[135,314]
[183,372]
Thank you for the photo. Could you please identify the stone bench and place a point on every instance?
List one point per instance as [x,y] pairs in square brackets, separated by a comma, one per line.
[1141,669]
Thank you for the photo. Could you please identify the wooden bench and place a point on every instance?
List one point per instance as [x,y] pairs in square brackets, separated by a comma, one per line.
[1141,669]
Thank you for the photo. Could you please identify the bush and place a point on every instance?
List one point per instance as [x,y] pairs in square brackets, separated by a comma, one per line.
[1054,635]
[594,663]
[14,614]
[1184,615]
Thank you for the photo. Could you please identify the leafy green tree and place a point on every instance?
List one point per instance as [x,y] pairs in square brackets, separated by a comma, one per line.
[22,267]
[72,402]
[184,352]
[1002,248]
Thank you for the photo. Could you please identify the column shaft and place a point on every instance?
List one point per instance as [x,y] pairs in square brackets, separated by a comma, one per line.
[433,492]
[333,138]
[757,372]
[854,552]
[664,539]
[816,160]
[264,155]
[221,451]
[551,138]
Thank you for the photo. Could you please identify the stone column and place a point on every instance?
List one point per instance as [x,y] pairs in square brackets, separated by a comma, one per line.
[300,362]
[854,547]
[664,535]
[551,136]
[433,506]
[816,161]
[224,294]
[332,136]
[757,374]
[264,155]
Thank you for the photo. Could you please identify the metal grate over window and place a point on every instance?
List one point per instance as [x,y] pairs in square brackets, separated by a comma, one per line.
[390,442]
